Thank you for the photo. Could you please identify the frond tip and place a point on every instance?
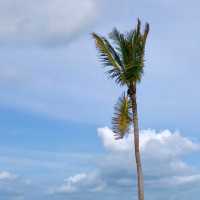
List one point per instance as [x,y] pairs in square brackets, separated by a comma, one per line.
[122,117]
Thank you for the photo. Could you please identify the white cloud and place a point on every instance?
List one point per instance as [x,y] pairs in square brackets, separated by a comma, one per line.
[47,21]
[173,181]
[108,139]
[71,182]
[163,165]
[166,144]
[152,144]
[187,179]
[4,175]
[90,182]
[162,153]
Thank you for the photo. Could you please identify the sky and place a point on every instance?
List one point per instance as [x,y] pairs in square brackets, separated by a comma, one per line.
[56,103]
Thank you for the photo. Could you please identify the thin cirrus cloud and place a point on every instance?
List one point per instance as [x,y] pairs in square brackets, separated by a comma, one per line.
[48,22]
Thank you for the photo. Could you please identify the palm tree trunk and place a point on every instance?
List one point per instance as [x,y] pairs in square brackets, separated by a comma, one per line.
[140,181]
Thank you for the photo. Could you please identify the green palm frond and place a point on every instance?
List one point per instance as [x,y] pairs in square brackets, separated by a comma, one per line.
[123,46]
[110,58]
[122,116]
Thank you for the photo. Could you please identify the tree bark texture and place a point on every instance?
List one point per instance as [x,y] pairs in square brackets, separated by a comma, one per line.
[140,181]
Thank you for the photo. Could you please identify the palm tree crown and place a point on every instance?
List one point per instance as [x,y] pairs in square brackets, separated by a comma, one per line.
[126,58]
[124,61]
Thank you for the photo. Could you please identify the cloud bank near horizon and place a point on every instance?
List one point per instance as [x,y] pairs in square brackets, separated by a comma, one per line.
[164,166]
[166,171]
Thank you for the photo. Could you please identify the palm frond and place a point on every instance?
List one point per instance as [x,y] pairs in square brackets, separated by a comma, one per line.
[110,58]
[122,116]
[118,38]
[122,45]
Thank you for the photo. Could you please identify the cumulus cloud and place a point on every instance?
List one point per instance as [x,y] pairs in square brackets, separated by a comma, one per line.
[45,22]
[162,154]
[110,143]
[152,144]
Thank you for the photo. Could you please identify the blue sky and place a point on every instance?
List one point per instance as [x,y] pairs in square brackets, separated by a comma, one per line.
[56,103]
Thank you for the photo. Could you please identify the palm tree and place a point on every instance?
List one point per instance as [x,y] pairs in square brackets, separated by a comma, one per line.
[124,62]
